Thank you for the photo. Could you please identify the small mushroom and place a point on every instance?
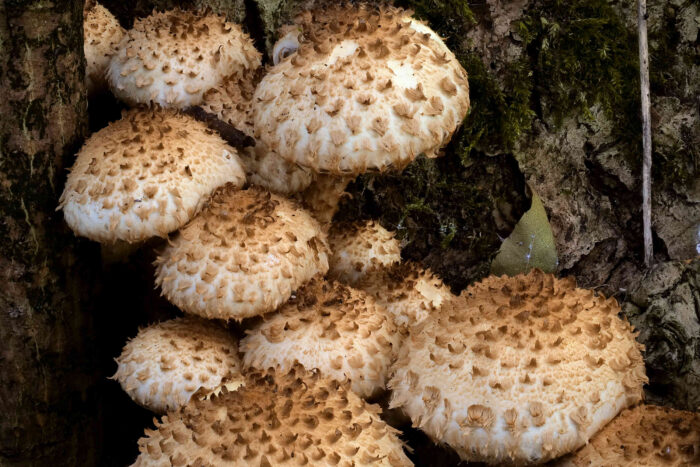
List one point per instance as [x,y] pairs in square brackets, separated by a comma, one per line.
[410,292]
[519,369]
[330,327]
[101,35]
[169,362]
[145,175]
[242,256]
[645,435]
[358,247]
[369,89]
[294,418]
[287,44]
[172,58]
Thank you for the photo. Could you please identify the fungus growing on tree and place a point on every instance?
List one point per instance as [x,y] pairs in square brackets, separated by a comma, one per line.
[242,256]
[368,89]
[167,363]
[323,196]
[330,327]
[410,292]
[291,418]
[145,175]
[359,246]
[172,58]
[102,32]
[645,435]
[519,370]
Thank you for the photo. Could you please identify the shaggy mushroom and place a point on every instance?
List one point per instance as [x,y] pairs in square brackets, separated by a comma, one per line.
[410,292]
[242,256]
[286,419]
[167,363]
[519,370]
[102,33]
[359,246]
[329,327]
[323,195]
[643,436]
[145,175]
[172,58]
[368,89]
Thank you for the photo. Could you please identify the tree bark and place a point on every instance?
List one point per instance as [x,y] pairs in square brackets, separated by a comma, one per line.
[47,371]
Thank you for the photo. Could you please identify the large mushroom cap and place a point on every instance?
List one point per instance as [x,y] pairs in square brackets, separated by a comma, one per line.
[286,419]
[242,256]
[329,327]
[102,33]
[145,175]
[368,89]
[410,292]
[519,370]
[644,436]
[359,246]
[166,363]
[172,58]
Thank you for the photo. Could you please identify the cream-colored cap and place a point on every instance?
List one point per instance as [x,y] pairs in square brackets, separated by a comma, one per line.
[242,256]
[101,35]
[519,370]
[146,175]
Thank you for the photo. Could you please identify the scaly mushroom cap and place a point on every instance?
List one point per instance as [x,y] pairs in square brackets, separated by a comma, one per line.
[146,175]
[167,363]
[231,100]
[298,418]
[368,89]
[102,33]
[323,196]
[519,370]
[172,58]
[410,292]
[359,246]
[329,327]
[242,256]
[645,436]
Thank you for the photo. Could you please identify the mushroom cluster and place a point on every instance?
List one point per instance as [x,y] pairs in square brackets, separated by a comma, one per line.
[515,370]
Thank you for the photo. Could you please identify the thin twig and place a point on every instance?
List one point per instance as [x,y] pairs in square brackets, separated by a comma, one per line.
[228,132]
[646,129]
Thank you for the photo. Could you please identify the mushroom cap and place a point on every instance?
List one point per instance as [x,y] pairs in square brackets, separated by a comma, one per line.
[368,89]
[645,435]
[172,58]
[359,246]
[146,175]
[231,101]
[328,326]
[298,418]
[167,363]
[410,292]
[323,196]
[102,32]
[242,256]
[519,370]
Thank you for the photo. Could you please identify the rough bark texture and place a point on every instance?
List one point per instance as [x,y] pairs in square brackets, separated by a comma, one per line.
[47,369]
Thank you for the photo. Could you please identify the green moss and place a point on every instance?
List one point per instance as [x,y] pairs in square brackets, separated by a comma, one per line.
[450,18]
[581,55]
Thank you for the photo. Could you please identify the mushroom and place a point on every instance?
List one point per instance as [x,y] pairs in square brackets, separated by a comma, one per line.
[172,58]
[145,175]
[287,44]
[169,362]
[368,89]
[645,435]
[410,292]
[359,246]
[330,327]
[295,418]
[102,33]
[519,370]
[242,256]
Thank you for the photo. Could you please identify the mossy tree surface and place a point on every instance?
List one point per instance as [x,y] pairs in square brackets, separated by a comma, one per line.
[47,372]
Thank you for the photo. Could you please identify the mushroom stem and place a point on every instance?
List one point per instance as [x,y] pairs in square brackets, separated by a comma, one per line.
[324,194]
[228,132]
[118,252]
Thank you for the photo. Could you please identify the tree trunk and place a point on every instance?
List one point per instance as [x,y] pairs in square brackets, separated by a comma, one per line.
[47,371]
